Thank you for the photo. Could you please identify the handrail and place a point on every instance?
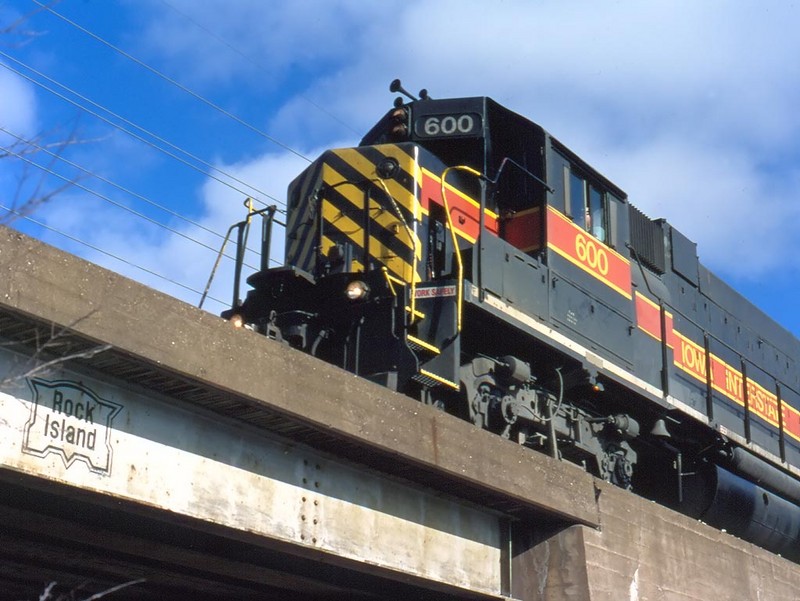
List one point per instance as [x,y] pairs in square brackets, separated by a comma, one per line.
[243,229]
[460,287]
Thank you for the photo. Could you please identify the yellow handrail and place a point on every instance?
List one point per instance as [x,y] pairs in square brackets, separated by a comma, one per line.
[460,288]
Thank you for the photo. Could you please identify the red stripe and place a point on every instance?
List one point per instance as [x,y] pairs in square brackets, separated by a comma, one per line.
[648,317]
[689,356]
[588,253]
[791,421]
[524,229]
[762,402]
[726,380]
[464,211]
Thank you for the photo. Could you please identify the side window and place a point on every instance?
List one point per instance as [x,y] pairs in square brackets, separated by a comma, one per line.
[597,214]
[577,200]
[585,204]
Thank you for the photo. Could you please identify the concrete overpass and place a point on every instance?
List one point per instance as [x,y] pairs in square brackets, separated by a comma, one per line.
[146,441]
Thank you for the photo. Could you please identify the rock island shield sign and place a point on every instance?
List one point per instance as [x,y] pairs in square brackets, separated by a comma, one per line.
[69,419]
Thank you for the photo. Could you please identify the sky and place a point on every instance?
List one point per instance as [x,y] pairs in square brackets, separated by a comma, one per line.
[176,110]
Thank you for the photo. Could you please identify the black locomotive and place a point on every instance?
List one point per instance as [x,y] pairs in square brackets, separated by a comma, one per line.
[464,256]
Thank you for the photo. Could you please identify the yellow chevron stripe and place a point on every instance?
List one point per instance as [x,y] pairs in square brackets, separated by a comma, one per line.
[379,214]
[327,243]
[410,165]
[366,167]
[355,233]
[403,158]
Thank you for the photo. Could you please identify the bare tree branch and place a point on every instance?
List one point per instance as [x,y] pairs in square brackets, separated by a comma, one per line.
[20,149]
[32,146]
[114,589]
[15,26]
[56,343]
[26,201]
[47,593]
[57,361]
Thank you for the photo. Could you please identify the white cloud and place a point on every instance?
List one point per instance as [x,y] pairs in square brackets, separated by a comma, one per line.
[17,105]
[249,41]
[18,116]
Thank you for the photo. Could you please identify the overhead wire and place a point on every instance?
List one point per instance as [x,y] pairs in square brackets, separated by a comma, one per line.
[30,143]
[141,197]
[10,152]
[56,156]
[18,155]
[59,157]
[135,135]
[174,82]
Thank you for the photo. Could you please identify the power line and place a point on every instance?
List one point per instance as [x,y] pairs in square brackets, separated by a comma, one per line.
[133,134]
[167,210]
[138,137]
[72,182]
[54,173]
[174,82]
[59,157]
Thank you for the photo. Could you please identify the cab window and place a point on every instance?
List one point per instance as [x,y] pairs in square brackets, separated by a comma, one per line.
[585,204]
[597,214]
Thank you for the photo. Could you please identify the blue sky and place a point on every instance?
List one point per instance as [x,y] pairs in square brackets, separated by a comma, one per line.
[690,107]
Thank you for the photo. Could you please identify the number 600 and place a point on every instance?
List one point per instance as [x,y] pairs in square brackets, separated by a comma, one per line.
[463,124]
[591,254]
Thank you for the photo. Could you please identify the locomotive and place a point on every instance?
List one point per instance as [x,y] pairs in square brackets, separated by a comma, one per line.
[462,255]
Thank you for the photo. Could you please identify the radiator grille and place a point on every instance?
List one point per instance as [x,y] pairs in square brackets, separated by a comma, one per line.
[647,239]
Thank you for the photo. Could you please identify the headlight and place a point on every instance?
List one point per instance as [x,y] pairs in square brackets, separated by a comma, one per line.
[356,290]
[237,320]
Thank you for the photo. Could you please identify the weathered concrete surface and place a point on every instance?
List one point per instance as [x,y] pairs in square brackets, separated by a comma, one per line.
[643,551]
[41,282]
[130,444]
